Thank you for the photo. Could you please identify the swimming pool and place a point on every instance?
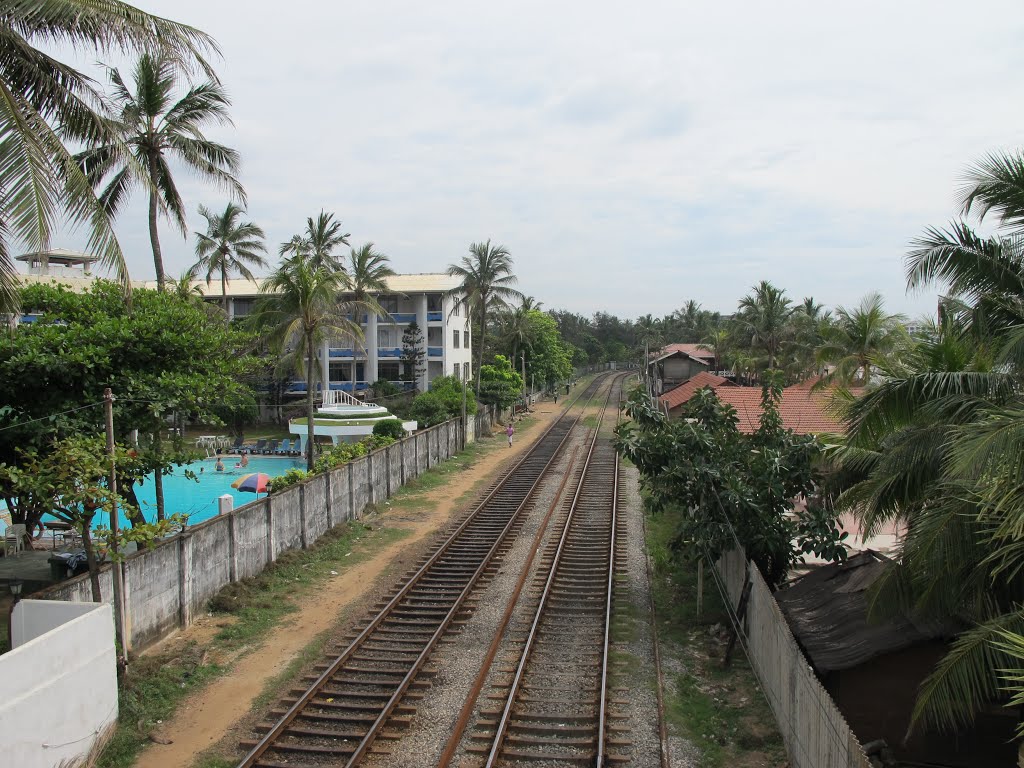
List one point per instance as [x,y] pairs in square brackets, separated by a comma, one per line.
[198,500]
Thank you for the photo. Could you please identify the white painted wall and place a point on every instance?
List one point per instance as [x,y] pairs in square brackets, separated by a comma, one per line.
[58,686]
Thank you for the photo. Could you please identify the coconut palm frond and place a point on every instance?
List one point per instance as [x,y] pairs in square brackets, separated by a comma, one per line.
[967,678]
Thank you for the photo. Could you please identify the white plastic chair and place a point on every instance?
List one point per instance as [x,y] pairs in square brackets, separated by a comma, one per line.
[14,539]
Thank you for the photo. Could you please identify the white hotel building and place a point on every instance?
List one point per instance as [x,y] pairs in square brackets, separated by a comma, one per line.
[420,298]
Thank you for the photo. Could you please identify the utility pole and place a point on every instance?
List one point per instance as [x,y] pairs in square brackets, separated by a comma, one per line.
[465,378]
[115,564]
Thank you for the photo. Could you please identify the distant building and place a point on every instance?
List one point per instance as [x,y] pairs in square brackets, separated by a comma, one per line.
[420,297]
[802,408]
[447,346]
[676,363]
[59,262]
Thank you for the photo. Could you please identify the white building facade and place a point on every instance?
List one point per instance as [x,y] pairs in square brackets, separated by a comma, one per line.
[420,298]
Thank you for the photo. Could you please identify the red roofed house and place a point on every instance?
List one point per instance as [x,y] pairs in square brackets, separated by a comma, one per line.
[803,409]
[677,363]
[674,398]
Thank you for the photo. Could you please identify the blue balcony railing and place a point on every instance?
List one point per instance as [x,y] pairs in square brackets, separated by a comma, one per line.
[435,351]
[341,353]
[434,317]
[389,352]
[399,318]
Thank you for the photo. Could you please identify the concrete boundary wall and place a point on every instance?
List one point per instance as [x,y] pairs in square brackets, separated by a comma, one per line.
[165,587]
[58,686]
[814,730]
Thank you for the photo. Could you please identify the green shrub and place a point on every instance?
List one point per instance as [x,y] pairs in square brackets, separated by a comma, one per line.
[428,409]
[449,390]
[389,428]
[288,479]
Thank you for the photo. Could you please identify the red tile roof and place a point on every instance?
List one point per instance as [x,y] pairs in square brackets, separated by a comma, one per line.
[679,395]
[803,410]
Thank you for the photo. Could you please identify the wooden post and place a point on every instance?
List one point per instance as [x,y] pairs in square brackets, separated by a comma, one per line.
[741,612]
[117,575]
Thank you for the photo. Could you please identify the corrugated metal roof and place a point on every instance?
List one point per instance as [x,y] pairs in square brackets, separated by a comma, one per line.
[827,611]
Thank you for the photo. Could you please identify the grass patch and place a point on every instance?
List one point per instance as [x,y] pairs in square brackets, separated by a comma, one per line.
[155,684]
[721,710]
[150,691]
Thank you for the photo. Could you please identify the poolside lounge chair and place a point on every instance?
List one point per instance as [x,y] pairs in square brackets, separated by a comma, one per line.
[260,445]
[283,448]
[272,448]
[14,539]
[236,447]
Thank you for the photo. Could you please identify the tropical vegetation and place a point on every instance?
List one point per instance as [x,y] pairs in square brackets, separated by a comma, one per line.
[228,245]
[151,127]
[47,104]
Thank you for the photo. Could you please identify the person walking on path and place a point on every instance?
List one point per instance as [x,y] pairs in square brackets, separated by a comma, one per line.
[510,430]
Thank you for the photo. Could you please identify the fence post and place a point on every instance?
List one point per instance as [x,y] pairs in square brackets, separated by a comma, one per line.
[270,530]
[371,496]
[741,612]
[351,495]
[184,578]
[329,498]
[232,548]
[303,539]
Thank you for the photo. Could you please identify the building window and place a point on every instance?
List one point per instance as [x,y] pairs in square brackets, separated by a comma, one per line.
[388,303]
[455,310]
[434,302]
[455,338]
[456,371]
[243,307]
[389,370]
[386,337]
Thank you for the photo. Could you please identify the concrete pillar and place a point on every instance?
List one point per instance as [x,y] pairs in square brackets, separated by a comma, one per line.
[421,320]
[325,365]
[225,504]
[370,369]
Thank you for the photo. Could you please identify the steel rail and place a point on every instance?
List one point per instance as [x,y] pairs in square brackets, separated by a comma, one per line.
[506,715]
[602,708]
[285,721]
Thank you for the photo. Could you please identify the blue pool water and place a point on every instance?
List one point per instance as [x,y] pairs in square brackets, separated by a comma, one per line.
[199,500]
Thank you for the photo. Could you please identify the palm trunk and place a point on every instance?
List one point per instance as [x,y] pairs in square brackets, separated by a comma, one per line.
[224,295]
[309,403]
[154,238]
[158,477]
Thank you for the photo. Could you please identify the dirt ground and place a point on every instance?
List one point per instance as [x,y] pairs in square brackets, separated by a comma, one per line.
[206,717]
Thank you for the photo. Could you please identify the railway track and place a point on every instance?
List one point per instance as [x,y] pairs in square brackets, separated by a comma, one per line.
[550,705]
[373,682]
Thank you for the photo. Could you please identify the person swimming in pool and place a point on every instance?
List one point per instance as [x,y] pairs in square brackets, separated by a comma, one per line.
[219,465]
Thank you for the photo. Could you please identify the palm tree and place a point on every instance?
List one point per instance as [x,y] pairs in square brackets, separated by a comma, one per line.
[152,128]
[368,271]
[40,179]
[229,245]
[323,234]
[765,315]
[299,306]
[718,343]
[514,330]
[939,444]
[487,282]
[858,337]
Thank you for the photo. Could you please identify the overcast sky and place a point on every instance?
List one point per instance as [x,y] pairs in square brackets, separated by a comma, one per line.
[630,155]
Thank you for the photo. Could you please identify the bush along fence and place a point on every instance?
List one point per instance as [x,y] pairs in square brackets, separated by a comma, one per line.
[166,586]
[814,730]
